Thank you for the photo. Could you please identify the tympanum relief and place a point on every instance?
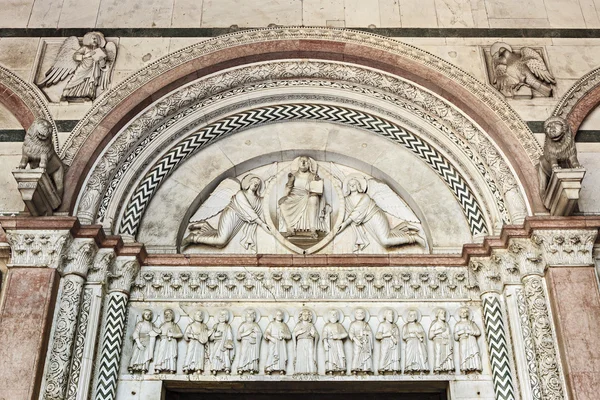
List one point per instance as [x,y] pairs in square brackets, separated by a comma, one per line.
[519,73]
[81,70]
[324,341]
[304,206]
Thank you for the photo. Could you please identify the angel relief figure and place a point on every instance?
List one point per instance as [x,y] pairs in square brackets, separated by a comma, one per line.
[240,205]
[87,67]
[366,205]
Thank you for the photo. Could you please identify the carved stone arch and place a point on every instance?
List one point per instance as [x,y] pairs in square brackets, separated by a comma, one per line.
[580,100]
[24,101]
[475,99]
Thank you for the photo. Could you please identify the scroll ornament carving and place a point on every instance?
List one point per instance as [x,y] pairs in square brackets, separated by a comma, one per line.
[142,132]
[86,67]
[157,68]
[103,262]
[514,70]
[528,341]
[543,338]
[38,248]
[566,247]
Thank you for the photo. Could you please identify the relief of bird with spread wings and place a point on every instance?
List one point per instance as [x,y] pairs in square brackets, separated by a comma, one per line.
[513,70]
[87,67]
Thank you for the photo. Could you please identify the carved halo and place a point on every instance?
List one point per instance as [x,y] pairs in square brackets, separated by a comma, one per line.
[257,315]
[458,312]
[192,310]
[229,315]
[381,314]
[361,180]
[286,315]
[436,310]
[340,315]
[405,315]
[367,314]
[176,315]
[312,313]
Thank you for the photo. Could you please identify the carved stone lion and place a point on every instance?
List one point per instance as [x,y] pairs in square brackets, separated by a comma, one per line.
[39,152]
[559,150]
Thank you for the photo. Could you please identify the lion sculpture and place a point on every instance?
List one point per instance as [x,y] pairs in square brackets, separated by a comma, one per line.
[559,150]
[39,152]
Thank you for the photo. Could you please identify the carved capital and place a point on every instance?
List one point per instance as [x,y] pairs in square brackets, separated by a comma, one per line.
[38,248]
[80,257]
[528,257]
[487,271]
[125,271]
[566,247]
[102,264]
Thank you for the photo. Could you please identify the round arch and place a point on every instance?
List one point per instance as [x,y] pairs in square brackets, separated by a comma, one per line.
[118,107]
[580,100]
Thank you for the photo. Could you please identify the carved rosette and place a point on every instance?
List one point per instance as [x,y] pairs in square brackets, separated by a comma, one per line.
[38,248]
[566,247]
[543,338]
[79,260]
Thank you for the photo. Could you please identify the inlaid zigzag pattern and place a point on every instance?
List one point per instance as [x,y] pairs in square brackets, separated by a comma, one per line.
[498,348]
[169,162]
[112,344]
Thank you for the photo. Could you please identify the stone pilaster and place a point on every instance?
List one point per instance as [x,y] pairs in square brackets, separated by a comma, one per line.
[87,327]
[115,316]
[79,260]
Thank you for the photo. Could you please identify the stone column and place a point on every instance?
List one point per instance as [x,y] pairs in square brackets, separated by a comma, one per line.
[79,260]
[82,362]
[28,306]
[490,284]
[115,316]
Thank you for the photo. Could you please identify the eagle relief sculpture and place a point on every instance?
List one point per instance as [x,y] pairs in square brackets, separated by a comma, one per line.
[306,206]
[86,67]
[516,70]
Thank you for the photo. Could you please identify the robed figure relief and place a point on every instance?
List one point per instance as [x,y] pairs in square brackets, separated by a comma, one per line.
[277,334]
[144,337]
[240,205]
[305,339]
[303,210]
[250,334]
[361,335]
[415,347]
[367,203]
[196,334]
[388,335]
[440,335]
[87,67]
[166,350]
[466,333]
[334,335]
[223,350]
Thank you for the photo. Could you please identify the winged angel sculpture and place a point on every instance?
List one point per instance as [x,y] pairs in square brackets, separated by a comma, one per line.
[367,201]
[86,66]
[241,207]
[513,70]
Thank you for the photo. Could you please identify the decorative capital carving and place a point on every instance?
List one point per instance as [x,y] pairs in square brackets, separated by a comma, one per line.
[80,257]
[126,269]
[566,247]
[528,257]
[38,248]
[102,264]
[488,273]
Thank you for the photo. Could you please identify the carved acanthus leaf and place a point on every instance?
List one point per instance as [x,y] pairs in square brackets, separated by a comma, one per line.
[566,247]
[38,248]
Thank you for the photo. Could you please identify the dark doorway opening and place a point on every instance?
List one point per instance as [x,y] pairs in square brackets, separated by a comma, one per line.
[299,390]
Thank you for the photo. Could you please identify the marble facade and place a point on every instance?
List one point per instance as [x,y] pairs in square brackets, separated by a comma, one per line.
[302,203]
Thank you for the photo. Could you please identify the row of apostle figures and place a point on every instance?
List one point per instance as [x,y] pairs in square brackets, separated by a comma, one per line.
[160,344]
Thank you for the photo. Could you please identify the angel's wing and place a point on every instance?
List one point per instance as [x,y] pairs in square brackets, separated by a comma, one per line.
[338,173]
[64,64]
[218,200]
[536,64]
[389,201]
[111,55]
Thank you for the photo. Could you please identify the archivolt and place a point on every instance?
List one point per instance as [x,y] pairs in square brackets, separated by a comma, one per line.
[152,125]
[581,99]
[25,101]
[115,109]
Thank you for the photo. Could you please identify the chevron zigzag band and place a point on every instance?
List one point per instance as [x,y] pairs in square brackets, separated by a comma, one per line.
[288,112]
[498,347]
[112,343]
